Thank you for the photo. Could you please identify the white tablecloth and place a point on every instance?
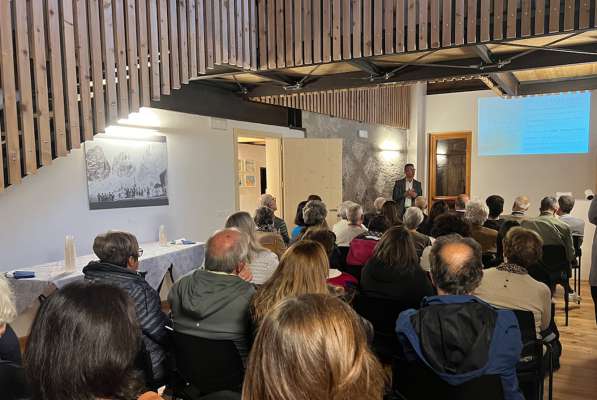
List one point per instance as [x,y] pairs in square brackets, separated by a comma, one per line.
[156,261]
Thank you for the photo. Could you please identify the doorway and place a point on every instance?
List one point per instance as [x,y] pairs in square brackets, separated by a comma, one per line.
[290,169]
[251,158]
[449,166]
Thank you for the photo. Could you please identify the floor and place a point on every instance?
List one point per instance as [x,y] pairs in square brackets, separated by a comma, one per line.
[577,377]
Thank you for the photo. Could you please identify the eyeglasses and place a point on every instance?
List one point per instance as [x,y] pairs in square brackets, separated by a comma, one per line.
[140,252]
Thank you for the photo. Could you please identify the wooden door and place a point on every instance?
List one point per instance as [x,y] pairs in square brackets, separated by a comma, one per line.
[449,166]
[311,166]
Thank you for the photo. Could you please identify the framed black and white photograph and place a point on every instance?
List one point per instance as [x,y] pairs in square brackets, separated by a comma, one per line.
[125,172]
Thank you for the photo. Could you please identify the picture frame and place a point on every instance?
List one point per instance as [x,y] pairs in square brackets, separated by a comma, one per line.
[250,181]
[250,166]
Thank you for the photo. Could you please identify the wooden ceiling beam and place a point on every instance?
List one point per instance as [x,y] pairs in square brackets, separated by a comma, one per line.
[442,70]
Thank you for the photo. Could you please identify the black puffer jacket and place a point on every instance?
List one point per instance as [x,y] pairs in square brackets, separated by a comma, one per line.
[147,305]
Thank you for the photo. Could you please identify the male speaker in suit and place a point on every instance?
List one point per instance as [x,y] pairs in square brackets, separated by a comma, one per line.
[407,189]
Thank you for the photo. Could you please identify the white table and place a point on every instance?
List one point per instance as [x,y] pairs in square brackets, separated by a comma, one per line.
[156,261]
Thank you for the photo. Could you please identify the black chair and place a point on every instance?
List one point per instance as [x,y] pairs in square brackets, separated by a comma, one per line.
[532,367]
[13,383]
[225,395]
[205,366]
[382,313]
[489,260]
[577,241]
[556,264]
[415,381]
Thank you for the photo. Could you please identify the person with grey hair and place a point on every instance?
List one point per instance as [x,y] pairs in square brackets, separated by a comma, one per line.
[315,213]
[266,233]
[554,232]
[262,261]
[476,214]
[213,302]
[577,225]
[353,227]
[118,265]
[519,209]
[412,218]
[343,222]
[269,201]
[458,335]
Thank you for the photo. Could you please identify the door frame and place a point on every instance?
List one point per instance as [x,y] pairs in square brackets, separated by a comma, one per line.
[239,132]
[433,138]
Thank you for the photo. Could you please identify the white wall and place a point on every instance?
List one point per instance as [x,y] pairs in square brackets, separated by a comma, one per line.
[249,196]
[533,175]
[37,214]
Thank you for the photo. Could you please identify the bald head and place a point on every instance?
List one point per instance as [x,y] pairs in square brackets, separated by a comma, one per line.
[226,251]
[521,204]
[456,266]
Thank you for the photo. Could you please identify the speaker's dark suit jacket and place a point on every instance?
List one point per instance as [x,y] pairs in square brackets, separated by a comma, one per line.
[398,195]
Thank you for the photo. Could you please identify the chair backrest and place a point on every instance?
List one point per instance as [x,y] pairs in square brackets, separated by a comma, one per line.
[415,381]
[382,313]
[209,365]
[531,346]
[555,261]
[577,241]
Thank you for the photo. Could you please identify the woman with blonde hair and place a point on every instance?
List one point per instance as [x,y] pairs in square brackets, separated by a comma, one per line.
[304,268]
[321,337]
[262,261]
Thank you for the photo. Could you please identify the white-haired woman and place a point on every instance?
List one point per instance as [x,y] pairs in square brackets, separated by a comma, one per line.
[413,217]
[262,261]
[476,214]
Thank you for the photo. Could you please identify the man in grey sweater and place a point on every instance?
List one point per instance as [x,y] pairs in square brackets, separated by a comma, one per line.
[213,303]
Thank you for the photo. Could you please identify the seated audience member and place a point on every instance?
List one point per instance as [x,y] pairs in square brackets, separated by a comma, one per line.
[377,205]
[213,303]
[266,233]
[438,208]
[314,215]
[309,347]
[362,246]
[354,227]
[421,203]
[509,285]
[84,343]
[413,217]
[391,211]
[262,261]
[460,204]
[303,269]
[495,204]
[269,201]
[504,229]
[577,225]
[298,221]
[476,214]
[314,197]
[342,216]
[554,233]
[445,224]
[456,334]
[519,209]
[393,272]
[118,265]
[550,228]
[13,383]
[335,277]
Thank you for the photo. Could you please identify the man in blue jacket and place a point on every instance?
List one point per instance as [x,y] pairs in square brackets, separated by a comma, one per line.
[455,334]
